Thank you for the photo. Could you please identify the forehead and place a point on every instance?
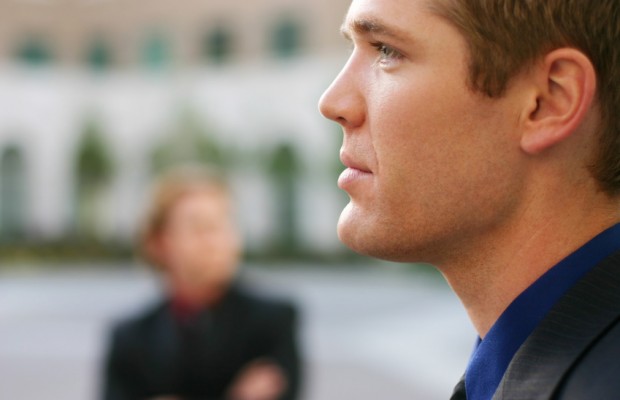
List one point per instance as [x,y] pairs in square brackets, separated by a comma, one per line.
[200,199]
[414,27]
[387,17]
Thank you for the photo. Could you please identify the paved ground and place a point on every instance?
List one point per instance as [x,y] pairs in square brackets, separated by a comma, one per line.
[368,333]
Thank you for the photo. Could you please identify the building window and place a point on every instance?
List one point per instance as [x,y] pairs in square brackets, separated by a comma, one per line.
[99,55]
[156,53]
[285,169]
[218,45]
[287,38]
[34,51]
[12,194]
[94,168]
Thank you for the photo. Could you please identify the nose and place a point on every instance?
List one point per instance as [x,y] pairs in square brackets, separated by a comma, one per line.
[343,100]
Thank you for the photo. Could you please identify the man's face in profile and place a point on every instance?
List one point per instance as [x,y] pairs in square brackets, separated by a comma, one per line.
[430,164]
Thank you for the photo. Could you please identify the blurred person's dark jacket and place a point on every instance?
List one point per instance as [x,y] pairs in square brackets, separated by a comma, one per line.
[159,353]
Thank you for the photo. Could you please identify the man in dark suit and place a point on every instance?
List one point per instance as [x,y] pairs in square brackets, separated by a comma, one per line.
[210,338]
[483,136]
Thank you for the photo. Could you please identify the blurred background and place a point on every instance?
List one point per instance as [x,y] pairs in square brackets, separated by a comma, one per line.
[99,96]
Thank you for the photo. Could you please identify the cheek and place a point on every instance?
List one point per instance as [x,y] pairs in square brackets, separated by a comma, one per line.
[432,148]
[411,147]
[176,248]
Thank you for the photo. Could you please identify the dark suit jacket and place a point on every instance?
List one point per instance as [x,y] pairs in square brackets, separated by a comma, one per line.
[574,354]
[154,354]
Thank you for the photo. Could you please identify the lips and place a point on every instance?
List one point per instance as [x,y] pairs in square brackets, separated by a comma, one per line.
[354,172]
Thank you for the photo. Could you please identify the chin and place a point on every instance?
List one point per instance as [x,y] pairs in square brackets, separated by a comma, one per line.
[367,236]
[360,234]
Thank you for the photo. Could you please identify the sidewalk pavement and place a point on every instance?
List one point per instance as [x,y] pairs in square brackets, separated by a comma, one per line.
[368,333]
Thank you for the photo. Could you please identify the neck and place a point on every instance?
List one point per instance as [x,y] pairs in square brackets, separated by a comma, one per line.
[488,278]
[197,296]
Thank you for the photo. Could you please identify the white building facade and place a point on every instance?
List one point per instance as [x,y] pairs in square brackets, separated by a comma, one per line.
[251,75]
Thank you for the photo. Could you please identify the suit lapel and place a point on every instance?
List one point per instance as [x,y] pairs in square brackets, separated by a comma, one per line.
[459,392]
[163,361]
[574,323]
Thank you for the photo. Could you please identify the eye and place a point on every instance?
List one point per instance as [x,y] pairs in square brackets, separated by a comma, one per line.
[387,53]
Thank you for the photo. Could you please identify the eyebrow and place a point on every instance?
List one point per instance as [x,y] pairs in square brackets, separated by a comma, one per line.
[364,26]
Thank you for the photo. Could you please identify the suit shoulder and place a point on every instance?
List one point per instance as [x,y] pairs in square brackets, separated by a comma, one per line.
[595,375]
[133,324]
[267,304]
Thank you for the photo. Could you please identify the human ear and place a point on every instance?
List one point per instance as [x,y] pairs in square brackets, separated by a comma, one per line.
[565,88]
[153,249]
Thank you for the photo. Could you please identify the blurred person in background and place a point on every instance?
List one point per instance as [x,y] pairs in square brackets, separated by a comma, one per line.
[209,338]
